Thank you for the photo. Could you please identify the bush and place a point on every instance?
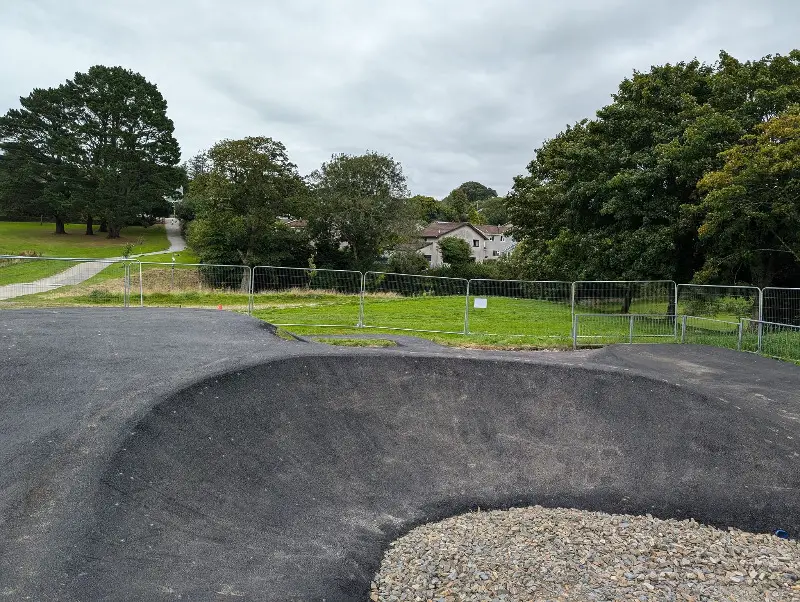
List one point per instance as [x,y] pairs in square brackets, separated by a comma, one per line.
[455,251]
[407,262]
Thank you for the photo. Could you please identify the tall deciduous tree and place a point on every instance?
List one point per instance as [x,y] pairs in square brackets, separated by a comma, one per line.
[359,204]
[457,205]
[245,186]
[751,208]
[607,198]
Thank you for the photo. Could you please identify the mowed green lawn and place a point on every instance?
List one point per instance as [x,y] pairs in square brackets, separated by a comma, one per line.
[17,238]
[20,237]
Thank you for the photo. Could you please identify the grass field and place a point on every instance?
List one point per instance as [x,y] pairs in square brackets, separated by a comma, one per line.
[23,237]
[28,238]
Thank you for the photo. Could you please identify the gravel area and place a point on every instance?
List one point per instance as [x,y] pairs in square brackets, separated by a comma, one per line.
[561,554]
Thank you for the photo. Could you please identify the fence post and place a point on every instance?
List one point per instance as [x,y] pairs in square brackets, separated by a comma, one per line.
[574,331]
[739,339]
[675,310]
[126,285]
[684,318]
[572,311]
[630,333]
[250,292]
[361,300]
[466,310]
[141,286]
[760,318]
[760,335]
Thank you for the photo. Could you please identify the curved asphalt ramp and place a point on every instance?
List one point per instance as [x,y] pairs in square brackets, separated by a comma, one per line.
[165,455]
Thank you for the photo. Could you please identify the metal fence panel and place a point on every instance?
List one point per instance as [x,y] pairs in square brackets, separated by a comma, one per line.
[524,308]
[643,297]
[307,297]
[709,331]
[192,285]
[726,303]
[781,305]
[57,281]
[780,341]
[607,329]
[415,303]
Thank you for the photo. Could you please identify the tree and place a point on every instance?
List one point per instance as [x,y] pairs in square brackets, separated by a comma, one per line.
[494,211]
[98,145]
[358,204]
[610,198]
[128,148]
[457,205]
[751,208]
[425,208]
[38,157]
[237,200]
[455,251]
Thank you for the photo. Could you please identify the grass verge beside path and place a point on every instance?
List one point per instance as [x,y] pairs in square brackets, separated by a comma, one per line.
[18,238]
[21,237]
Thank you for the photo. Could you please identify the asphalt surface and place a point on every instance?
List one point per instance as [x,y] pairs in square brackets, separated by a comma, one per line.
[192,455]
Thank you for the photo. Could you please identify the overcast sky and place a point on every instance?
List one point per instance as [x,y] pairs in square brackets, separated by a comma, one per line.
[455,90]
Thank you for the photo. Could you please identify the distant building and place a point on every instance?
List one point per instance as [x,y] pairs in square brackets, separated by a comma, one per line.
[487,242]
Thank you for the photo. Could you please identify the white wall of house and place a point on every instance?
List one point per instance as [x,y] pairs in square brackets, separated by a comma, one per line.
[475,239]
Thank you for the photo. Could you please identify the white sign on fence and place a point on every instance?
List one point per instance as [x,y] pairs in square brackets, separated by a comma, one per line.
[480,303]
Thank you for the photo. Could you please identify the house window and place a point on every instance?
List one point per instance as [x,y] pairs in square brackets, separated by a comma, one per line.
[428,258]
[491,238]
[476,243]
[502,238]
[495,253]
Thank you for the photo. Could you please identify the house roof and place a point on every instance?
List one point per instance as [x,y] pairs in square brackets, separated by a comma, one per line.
[488,229]
[437,229]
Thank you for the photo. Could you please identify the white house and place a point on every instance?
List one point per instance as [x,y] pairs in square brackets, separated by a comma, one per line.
[487,242]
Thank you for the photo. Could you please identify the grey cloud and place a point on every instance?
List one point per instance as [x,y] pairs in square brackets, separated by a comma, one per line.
[455,89]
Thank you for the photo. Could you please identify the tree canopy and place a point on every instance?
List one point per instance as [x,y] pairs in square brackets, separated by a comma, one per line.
[611,197]
[237,197]
[99,145]
[358,208]
[751,209]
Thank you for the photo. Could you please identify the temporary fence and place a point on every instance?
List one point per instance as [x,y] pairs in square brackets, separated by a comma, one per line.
[645,297]
[781,341]
[519,308]
[710,331]
[307,297]
[192,285]
[57,281]
[605,329]
[726,303]
[415,303]
[589,312]
[780,305]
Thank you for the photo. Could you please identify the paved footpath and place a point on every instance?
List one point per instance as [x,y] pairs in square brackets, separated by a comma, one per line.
[87,269]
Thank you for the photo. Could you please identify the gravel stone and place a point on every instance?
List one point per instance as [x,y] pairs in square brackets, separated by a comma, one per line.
[543,554]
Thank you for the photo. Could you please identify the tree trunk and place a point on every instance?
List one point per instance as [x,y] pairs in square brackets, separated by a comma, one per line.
[627,299]
[60,226]
[89,226]
[103,226]
[113,231]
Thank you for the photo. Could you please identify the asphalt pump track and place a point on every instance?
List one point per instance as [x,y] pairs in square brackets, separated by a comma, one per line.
[193,455]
